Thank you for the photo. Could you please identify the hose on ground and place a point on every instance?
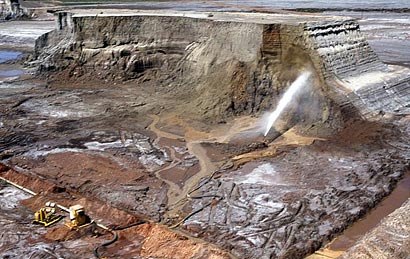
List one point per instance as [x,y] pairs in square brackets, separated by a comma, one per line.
[107,243]
[130,225]
[115,235]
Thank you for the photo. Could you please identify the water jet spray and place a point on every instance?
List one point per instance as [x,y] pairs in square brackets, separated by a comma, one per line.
[285,100]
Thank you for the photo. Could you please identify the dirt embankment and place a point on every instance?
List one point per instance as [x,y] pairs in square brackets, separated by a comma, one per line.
[216,67]
[390,239]
[148,240]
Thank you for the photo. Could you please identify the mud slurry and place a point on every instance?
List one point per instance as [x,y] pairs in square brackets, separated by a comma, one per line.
[285,201]
[282,204]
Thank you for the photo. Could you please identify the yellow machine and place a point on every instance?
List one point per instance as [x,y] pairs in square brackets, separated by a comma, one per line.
[78,218]
[47,215]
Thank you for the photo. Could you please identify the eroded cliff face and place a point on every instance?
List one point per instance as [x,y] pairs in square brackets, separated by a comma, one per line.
[352,68]
[232,64]
[342,49]
[222,68]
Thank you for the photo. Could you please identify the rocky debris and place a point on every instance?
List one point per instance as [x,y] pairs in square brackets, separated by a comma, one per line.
[390,239]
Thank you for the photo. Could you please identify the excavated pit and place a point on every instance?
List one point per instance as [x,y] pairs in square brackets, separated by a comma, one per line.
[158,116]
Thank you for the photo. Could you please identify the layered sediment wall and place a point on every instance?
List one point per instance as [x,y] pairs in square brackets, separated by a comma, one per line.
[10,9]
[230,63]
[351,66]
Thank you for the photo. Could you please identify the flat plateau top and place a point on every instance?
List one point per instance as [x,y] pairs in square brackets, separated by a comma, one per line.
[283,17]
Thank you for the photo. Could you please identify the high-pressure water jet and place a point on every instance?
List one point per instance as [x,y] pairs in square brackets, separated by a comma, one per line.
[285,100]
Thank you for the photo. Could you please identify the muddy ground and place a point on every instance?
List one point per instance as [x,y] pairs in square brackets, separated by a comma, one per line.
[279,199]
[131,147]
[136,238]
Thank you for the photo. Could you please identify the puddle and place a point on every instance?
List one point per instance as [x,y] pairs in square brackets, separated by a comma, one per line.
[9,73]
[60,107]
[7,85]
[42,153]
[97,146]
[6,55]
[263,174]
[257,174]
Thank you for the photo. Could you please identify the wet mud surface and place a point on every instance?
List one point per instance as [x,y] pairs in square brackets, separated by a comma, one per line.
[284,203]
[130,147]
[136,238]
[396,199]
[279,205]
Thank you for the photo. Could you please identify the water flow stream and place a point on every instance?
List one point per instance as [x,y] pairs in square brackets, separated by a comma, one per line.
[175,193]
[285,100]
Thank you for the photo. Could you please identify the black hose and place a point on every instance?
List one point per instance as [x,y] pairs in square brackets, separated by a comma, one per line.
[115,236]
[107,243]
[130,225]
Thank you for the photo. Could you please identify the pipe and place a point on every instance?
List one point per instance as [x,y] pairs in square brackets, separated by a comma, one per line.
[95,251]
[18,186]
[115,235]
[107,243]
[130,225]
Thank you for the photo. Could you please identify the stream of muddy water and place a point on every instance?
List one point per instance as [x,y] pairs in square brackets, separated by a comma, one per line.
[352,234]
[175,193]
